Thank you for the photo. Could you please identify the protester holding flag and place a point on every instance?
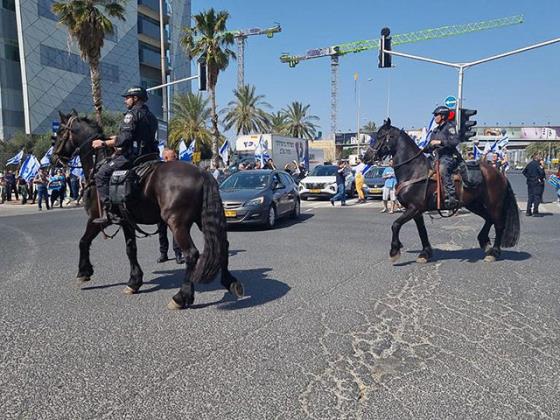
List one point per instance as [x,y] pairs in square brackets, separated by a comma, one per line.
[23,190]
[41,181]
[56,187]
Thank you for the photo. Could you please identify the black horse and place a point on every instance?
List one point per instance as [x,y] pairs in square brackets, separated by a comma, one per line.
[493,199]
[176,192]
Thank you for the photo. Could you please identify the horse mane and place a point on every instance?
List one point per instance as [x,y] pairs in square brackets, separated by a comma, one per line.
[91,123]
[407,138]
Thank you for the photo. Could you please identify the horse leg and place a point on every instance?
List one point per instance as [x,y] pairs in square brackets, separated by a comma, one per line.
[483,238]
[85,269]
[228,280]
[136,274]
[427,251]
[493,252]
[185,296]
[396,244]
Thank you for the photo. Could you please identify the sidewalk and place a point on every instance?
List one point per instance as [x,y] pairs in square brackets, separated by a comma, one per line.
[15,208]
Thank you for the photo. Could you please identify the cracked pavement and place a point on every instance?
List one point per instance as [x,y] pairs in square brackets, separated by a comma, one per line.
[329,329]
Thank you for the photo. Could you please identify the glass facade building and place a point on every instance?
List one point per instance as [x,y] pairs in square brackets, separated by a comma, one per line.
[41,71]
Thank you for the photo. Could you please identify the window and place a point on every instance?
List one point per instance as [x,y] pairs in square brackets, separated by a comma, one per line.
[62,60]
[11,52]
[9,5]
[286,179]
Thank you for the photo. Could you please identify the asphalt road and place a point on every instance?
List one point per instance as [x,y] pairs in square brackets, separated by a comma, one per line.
[328,329]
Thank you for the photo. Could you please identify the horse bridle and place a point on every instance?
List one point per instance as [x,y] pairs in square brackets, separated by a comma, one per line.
[77,150]
[68,128]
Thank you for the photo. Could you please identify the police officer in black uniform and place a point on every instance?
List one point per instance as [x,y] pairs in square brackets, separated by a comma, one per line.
[444,140]
[536,176]
[137,137]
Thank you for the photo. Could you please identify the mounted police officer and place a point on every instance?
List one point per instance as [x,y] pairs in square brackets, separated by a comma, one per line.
[444,140]
[136,137]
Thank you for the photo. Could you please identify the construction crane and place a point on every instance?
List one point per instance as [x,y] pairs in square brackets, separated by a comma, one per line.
[240,38]
[335,51]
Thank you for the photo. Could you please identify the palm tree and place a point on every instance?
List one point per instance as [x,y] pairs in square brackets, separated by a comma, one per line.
[190,120]
[298,122]
[246,112]
[369,127]
[88,23]
[209,41]
[277,122]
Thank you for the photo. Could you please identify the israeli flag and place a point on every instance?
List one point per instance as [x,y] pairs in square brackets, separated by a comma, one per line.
[503,142]
[76,167]
[161,146]
[186,153]
[426,134]
[46,160]
[29,168]
[16,160]
[224,152]
[477,152]
[261,151]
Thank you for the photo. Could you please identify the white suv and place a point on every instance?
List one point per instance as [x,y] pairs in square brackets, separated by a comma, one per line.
[321,183]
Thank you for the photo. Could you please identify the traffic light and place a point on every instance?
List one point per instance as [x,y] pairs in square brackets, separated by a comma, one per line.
[202,76]
[467,130]
[385,45]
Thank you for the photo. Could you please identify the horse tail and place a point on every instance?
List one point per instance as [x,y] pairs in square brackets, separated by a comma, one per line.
[214,229]
[511,214]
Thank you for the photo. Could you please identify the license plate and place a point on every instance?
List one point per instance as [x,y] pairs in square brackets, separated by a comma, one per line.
[315,191]
[375,190]
[230,213]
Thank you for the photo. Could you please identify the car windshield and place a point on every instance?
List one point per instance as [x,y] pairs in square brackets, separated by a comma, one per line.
[246,181]
[374,172]
[324,170]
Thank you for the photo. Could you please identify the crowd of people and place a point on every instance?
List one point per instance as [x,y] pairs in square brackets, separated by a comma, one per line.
[50,187]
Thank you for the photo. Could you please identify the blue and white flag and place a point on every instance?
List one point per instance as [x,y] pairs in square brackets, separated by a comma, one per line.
[161,146]
[46,160]
[261,151]
[29,168]
[224,152]
[16,160]
[477,152]
[426,134]
[503,142]
[186,153]
[76,167]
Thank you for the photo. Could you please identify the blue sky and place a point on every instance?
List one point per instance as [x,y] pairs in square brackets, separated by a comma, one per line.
[522,88]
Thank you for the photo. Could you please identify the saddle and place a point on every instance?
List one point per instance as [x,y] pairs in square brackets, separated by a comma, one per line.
[467,175]
[125,185]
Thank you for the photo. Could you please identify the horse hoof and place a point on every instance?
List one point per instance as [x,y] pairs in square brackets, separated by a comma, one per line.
[83,279]
[421,260]
[489,258]
[236,288]
[130,291]
[395,257]
[173,306]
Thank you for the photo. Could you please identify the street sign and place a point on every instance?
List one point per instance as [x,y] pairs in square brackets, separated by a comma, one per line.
[450,102]
[55,126]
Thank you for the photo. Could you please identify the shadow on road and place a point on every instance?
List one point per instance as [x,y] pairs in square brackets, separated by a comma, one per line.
[259,289]
[281,224]
[472,255]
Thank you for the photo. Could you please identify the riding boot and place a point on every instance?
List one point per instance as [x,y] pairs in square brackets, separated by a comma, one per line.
[103,218]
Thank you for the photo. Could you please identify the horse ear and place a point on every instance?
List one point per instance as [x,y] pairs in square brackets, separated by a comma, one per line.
[74,112]
[62,117]
[388,122]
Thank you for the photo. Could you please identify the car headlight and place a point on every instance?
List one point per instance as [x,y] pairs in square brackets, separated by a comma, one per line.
[254,202]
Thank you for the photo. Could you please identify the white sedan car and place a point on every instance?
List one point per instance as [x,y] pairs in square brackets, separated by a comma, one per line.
[321,183]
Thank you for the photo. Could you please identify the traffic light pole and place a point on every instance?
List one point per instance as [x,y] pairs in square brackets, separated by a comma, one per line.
[462,66]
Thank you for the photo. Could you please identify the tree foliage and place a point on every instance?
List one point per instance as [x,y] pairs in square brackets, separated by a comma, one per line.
[209,41]
[299,123]
[246,113]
